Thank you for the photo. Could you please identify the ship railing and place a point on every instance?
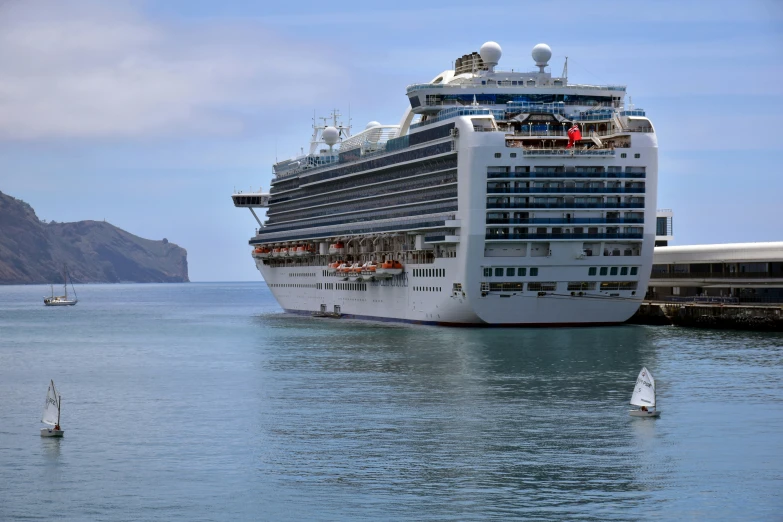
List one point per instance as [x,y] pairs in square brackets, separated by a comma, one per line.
[567,152]
[564,221]
[573,174]
[567,190]
[496,236]
[503,85]
[596,205]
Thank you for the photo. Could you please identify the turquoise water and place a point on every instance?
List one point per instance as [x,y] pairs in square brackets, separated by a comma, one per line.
[204,402]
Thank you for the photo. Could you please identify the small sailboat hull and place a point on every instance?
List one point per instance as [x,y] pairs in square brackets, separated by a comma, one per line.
[59,302]
[640,413]
[51,432]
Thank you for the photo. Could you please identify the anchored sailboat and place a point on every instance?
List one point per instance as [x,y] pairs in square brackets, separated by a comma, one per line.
[51,413]
[62,300]
[644,395]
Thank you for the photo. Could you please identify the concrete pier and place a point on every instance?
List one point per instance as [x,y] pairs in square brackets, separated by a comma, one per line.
[706,315]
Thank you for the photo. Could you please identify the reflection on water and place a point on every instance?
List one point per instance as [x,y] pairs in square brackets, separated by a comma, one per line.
[229,409]
[50,449]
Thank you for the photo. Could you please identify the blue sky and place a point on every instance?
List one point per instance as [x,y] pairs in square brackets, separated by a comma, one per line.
[150,113]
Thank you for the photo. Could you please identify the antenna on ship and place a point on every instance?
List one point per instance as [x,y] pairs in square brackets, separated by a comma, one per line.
[565,68]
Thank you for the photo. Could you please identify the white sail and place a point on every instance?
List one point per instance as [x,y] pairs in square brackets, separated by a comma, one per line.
[644,390]
[51,411]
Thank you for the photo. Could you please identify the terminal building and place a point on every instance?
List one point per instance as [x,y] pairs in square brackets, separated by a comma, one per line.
[735,273]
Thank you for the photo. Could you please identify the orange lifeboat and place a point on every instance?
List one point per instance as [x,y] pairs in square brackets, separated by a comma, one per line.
[284,252]
[355,271]
[333,267]
[344,271]
[276,252]
[389,269]
[261,252]
[337,248]
[299,251]
[368,270]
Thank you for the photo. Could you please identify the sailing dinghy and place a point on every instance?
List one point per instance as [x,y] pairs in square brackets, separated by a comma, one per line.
[51,413]
[644,395]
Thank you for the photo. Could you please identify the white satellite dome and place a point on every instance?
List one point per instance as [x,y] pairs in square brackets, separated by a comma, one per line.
[331,136]
[490,54]
[541,54]
[372,124]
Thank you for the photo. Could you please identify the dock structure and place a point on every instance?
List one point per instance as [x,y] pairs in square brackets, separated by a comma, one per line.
[733,286]
[729,274]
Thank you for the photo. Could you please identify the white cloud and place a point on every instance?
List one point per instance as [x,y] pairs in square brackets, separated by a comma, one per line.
[88,69]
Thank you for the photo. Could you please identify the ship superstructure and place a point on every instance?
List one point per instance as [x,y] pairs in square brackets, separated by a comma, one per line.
[501,198]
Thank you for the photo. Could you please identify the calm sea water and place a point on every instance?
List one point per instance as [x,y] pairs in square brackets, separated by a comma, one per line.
[205,402]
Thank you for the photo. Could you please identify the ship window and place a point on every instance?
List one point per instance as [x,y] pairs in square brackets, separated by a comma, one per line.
[497,154]
[591,271]
[498,272]
[634,270]
[623,155]
[637,155]
[604,270]
[533,271]
[613,271]
[487,272]
[521,271]
[624,270]
[513,154]
[509,272]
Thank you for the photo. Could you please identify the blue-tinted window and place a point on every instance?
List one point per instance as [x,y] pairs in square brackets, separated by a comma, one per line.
[534,271]
[592,271]
[634,270]
[604,270]
[521,271]
[498,272]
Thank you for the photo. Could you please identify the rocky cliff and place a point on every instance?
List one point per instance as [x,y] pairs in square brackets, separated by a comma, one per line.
[32,251]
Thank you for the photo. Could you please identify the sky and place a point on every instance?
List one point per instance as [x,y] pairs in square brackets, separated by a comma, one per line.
[150,114]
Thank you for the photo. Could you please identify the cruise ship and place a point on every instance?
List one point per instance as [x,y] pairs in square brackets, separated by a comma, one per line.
[501,198]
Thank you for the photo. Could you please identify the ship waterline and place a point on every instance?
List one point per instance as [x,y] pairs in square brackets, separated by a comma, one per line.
[526,201]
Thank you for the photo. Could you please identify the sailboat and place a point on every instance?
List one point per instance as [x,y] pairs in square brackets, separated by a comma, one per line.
[51,413]
[644,395]
[62,300]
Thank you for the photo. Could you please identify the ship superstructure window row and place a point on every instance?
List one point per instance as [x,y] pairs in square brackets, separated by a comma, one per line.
[366,185]
[433,221]
[390,212]
[374,208]
[378,163]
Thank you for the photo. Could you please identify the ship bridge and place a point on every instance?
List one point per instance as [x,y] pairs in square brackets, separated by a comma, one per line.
[251,200]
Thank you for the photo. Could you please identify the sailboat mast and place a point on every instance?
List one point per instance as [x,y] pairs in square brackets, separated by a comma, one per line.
[59,405]
[65,282]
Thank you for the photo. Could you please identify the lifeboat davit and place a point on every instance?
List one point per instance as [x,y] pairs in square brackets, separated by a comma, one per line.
[389,269]
[337,248]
